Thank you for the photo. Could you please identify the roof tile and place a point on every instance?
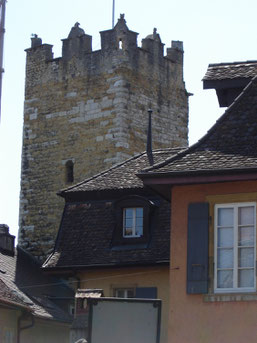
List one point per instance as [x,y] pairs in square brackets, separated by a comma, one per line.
[221,71]
[22,282]
[229,145]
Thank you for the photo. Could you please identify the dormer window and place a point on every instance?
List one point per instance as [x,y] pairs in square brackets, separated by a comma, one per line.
[133,222]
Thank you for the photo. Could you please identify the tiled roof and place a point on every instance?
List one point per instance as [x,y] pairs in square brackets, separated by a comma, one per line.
[221,71]
[9,295]
[87,227]
[121,176]
[86,233]
[22,282]
[228,146]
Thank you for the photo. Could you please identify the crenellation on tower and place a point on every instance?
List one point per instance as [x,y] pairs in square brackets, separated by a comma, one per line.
[90,108]
[77,44]
[176,52]
[119,38]
[152,43]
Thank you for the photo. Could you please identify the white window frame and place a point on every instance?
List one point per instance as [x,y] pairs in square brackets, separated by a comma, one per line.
[235,288]
[125,290]
[134,235]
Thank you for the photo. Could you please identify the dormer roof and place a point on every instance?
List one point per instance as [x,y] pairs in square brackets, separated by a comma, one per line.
[87,234]
[229,79]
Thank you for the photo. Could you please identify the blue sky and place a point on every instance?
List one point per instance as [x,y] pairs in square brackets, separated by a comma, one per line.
[212,32]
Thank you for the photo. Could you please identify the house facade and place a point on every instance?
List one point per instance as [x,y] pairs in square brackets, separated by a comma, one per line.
[33,307]
[213,190]
[114,235]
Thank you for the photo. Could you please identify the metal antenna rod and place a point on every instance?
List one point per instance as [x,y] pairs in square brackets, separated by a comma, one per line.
[2,31]
[149,150]
[113,12]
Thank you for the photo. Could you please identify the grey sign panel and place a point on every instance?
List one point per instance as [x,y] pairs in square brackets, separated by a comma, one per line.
[115,320]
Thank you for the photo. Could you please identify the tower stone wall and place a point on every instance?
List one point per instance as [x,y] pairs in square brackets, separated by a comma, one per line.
[89,109]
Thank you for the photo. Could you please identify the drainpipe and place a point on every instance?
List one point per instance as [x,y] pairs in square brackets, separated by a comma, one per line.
[24,316]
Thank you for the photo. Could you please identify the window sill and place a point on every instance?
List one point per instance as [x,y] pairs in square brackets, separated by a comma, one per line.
[230,297]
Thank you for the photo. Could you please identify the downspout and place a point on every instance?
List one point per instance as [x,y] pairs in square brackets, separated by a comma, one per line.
[24,316]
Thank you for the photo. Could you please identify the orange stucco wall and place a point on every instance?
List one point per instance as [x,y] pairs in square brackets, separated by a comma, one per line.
[192,319]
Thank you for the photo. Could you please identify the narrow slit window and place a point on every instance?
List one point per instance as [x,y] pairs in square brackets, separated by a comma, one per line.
[120,44]
[69,172]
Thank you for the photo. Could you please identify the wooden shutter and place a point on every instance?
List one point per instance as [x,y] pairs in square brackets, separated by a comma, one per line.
[146,292]
[197,248]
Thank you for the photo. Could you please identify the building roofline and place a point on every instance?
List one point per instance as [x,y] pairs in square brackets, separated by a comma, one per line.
[232,63]
[72,268]
[150,170]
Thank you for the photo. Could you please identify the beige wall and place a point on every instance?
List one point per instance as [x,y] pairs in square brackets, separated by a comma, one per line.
[108,279]
[8,325]
[211,318]
[46,332]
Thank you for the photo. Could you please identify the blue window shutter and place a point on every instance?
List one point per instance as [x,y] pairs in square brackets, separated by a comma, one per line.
[197,248]
[146,292]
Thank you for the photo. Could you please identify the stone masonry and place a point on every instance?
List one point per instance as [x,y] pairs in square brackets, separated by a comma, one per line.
[89,108]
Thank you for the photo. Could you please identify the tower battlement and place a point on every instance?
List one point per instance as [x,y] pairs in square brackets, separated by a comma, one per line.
[86,111]
[118,49]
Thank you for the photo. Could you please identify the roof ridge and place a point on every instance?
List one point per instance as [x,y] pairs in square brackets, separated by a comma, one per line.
[232,63]
[208,133]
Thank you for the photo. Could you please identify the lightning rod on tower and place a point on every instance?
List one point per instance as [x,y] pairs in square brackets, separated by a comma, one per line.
[113,12]
[2,31]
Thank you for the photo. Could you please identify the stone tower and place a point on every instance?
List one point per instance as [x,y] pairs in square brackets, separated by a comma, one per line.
[86,111]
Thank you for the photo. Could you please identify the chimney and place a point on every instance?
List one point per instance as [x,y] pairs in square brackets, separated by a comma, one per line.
[149,138]
[6,240]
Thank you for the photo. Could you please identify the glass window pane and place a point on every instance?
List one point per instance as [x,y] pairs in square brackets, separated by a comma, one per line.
[139,231]
[225,258]
[130,293]
[139,221]
[246,215]
[119,293]
[225,216]
[246,257]
[225,279]
[139,212]
[129,212]
[246,278]
[225,237]
[246,236]
[128,222]
[128,231]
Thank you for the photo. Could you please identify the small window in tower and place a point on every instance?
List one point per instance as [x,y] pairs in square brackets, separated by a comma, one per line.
[120,44]
[69,174]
